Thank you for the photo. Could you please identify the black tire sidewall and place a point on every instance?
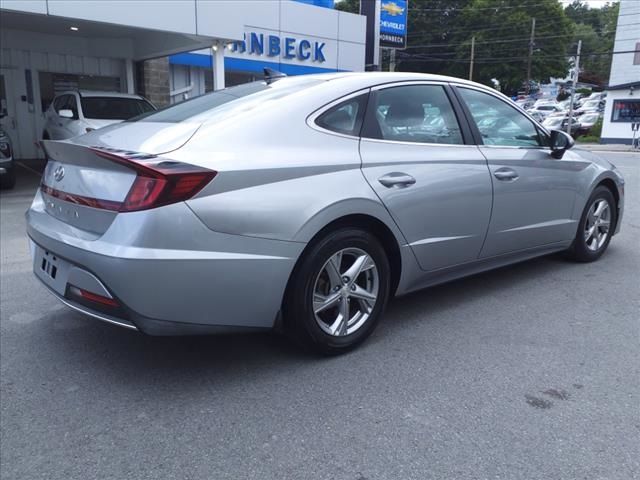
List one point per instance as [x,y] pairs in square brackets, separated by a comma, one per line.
[580,249]
[298,309]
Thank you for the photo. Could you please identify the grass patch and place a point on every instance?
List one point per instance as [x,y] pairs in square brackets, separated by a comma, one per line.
[594,134]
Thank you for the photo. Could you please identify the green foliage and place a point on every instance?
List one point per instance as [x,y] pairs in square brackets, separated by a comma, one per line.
[584,91]
[452,23]
[596,28]
[351,6]
[594,134]
[440,33]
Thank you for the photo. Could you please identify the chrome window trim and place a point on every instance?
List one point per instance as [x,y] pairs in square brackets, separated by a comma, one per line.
[424,144]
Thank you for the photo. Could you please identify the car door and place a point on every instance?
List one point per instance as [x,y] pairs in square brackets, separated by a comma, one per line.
[435,185]
[534,193]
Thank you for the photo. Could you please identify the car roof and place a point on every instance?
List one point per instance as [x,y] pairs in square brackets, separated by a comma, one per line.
[98,93]
[392,77]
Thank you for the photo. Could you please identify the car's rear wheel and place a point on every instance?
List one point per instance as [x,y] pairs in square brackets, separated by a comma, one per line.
[338,291]
[596,226]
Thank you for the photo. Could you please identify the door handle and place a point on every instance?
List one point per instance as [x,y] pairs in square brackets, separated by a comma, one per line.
[397,180]
[506,174]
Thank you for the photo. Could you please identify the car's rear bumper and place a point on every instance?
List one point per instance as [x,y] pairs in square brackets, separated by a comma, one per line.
[168,272]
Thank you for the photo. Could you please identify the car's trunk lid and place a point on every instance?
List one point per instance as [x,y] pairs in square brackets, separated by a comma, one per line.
[148,137]
[75,182]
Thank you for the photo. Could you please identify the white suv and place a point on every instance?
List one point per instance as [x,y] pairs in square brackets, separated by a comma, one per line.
[77,112]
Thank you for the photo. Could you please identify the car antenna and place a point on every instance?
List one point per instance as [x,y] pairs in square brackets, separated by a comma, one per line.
[271,75]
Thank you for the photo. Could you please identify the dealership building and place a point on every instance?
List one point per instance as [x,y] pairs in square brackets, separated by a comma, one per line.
[176,50]
[622,108]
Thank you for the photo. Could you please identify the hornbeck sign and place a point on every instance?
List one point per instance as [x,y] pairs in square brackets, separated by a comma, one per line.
[261,44]
[393,23]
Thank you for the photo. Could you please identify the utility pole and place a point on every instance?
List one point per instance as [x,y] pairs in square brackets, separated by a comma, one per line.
[575,83]
[473,54]
[531,42]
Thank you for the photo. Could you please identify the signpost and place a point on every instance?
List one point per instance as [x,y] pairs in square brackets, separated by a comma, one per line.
[393,23]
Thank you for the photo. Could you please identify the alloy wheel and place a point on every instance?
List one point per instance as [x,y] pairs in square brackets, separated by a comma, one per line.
[598,224]
[345,292]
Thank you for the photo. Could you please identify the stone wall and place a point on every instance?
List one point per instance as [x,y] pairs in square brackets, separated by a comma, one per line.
[153,80]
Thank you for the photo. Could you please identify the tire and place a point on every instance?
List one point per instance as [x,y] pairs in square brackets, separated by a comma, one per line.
[314,278]
[8,180]
[586,247]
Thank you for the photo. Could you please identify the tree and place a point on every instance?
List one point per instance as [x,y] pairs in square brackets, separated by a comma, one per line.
[351,6]
[434,29]
[596,28]
[502,38]
[440,33]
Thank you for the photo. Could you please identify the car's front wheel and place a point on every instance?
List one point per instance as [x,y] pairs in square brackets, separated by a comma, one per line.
[596,226]
[338,291]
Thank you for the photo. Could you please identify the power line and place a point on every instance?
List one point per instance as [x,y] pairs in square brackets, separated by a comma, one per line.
[508,40]
[428,58]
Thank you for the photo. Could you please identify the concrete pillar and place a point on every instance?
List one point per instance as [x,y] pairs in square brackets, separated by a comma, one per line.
[217,53]
[128,66]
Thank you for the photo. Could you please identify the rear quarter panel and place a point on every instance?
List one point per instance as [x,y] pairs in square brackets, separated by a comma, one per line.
[279,178]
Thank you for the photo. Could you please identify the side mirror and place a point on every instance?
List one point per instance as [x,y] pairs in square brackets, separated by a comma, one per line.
[65,113]
[560,143]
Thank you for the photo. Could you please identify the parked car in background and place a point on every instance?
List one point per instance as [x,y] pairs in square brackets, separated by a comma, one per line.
[77,112]
[545,109]
[304,204]
[588,121]
[561,123]
[7,168]
[592,106]
[525,103]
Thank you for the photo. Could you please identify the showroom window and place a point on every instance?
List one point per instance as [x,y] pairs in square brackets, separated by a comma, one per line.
[626,111]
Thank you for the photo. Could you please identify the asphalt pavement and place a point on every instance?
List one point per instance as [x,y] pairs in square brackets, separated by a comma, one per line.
[528,372]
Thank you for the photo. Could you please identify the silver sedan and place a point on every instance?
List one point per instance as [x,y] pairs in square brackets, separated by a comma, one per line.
[303,204]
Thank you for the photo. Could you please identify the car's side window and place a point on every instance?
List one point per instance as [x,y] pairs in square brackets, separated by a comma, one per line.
[72,104]
[499,123]
[413,113]
[58,103]
[346,117]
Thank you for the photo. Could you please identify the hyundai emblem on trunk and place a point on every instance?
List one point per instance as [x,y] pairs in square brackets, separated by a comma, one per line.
[58,173]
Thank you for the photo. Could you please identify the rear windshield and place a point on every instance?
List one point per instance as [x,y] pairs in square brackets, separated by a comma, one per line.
[113,108]
[244,96]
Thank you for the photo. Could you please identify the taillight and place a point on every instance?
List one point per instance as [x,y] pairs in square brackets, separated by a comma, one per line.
[160,183]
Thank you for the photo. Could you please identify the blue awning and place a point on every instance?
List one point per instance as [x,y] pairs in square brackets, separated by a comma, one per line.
[244,65]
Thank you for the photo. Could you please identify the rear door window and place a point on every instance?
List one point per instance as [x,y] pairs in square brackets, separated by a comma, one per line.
[413,113]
